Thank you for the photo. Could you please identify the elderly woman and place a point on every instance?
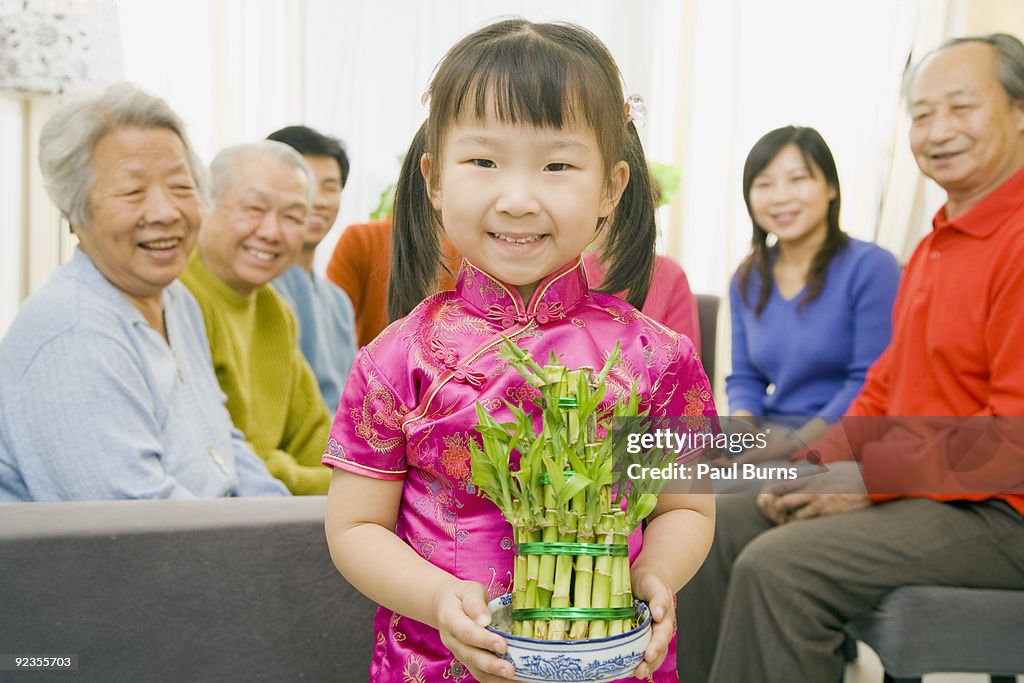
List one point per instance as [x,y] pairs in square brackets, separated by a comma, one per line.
[106,384]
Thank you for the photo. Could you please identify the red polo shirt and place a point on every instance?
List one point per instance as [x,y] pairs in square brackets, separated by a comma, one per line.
[958,339]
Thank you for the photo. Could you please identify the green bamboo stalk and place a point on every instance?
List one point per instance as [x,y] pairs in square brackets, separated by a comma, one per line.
[583,568]
[532,568]
[558,628]
[621,595]
[601,593]
[519,572]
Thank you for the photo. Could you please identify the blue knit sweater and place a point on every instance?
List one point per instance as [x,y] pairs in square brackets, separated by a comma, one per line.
[810,361]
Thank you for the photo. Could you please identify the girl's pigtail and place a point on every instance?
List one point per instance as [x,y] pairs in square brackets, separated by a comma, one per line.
[415,247]
[629,246]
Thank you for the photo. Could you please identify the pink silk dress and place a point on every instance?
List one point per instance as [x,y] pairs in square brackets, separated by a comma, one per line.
[408,410]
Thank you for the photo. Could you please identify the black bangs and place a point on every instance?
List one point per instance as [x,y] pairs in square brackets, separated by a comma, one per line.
[544,76]
[525,84]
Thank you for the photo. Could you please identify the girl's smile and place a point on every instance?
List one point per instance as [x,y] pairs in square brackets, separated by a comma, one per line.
[520,202]
[517,239]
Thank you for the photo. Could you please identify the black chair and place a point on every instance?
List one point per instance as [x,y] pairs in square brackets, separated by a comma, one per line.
[918,630]
[707,315]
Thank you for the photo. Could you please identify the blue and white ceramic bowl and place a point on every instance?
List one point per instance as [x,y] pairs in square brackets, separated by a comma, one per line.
[596,660]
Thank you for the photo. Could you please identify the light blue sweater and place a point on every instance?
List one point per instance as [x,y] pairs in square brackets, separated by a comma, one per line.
[95,404]
[327,328]
[811,361]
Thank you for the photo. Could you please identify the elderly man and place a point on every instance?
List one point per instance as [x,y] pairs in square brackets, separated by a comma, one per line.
[787,570]
[262,193]
[324,312]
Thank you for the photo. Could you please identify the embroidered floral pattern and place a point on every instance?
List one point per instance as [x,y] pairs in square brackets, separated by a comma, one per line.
[523,393]
[455,457]
[491,404]
[697,399]
[579,322]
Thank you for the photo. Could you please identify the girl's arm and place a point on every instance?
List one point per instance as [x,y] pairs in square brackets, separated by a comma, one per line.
[677,539]
[361,517]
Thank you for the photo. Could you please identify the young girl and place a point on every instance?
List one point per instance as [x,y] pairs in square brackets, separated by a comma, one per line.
[811,313]
[529,154]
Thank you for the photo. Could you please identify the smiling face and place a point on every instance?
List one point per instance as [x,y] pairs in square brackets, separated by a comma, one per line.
[790,198]
[328,198]
[143,210]
[965,134]
[259,224]
[520,202]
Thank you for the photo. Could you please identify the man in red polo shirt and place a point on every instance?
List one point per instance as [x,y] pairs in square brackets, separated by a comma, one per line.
[788,569]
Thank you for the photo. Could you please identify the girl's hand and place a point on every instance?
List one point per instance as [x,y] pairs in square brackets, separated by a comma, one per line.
[655,592]
[461,615]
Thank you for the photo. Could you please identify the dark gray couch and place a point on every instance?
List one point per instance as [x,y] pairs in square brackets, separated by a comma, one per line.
[182,591]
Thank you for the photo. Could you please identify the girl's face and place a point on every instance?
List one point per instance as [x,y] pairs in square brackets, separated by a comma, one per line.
[790,200]
[520,202]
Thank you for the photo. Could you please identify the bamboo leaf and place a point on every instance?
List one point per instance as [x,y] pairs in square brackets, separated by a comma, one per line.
[573,485]
[641,506]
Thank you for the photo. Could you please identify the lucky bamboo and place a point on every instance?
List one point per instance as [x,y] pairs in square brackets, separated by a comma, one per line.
[563,490]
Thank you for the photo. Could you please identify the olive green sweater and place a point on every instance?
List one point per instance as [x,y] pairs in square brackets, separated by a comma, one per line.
[272,394]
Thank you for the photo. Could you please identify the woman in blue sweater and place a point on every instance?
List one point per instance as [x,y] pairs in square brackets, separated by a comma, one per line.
[811,306]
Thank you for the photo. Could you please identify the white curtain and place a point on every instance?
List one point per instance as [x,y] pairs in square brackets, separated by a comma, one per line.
[716,75]
[908,199]
[231,68]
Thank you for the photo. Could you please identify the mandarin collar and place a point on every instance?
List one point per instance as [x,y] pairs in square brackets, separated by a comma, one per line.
[988,214]
[554,296]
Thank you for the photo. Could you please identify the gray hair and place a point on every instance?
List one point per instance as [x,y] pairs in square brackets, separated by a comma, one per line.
[69,137]
[1009,61]
[223,166]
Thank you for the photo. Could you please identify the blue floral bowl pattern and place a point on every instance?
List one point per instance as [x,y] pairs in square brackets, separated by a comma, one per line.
[597,660]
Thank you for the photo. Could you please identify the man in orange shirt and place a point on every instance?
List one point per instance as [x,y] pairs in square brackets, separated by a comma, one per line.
[788,569]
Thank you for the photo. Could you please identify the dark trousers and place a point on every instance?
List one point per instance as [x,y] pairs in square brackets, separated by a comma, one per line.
[769,602]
